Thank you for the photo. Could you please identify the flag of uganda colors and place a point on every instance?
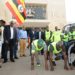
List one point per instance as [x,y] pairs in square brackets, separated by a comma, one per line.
[17,8]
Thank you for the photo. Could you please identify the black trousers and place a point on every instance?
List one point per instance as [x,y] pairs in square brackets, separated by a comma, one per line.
[9,46]
[2,51]
[30,45]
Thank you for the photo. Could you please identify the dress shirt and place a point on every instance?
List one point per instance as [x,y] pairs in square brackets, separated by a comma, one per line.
[12,33]
[22,34]
[40,35]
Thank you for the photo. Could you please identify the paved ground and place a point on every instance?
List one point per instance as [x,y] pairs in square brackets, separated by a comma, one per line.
[22,67]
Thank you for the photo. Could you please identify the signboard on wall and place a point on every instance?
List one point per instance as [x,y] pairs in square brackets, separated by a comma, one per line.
[35,11]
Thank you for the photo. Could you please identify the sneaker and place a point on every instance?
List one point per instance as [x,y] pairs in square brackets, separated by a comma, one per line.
[38,64]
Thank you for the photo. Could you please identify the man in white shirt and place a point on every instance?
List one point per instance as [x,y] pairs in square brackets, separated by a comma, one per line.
[10,37]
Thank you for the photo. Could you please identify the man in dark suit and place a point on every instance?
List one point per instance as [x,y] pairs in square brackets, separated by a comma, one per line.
[6,36]
[9,41]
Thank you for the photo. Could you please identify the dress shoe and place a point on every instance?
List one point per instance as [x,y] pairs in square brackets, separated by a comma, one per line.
[16,58]
[24,55]
[12,60]
[5,61]
[1,57]
[0,66]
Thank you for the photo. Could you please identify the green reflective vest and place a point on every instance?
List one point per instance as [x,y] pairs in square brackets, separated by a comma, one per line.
[70,35]
[35,43]
[56,36]
[47,35]
[65,37]
[55,51]
[74,35]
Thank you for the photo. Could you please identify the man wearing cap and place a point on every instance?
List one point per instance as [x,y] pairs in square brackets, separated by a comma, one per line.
[37,46]
[56,48]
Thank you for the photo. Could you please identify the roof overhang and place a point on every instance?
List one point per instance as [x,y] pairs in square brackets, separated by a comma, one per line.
[36,23]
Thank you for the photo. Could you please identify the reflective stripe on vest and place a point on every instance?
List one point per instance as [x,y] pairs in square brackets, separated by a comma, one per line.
[35,43]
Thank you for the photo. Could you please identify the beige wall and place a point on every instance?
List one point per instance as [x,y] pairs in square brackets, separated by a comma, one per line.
[56,13]
[4,12]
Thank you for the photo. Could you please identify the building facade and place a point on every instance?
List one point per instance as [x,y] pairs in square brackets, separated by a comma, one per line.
[40,13]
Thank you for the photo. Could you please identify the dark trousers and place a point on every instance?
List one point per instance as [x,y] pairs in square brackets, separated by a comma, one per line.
[2,51]
[42,52]
[30,45]
[11,48]
[8,46]
[15,49]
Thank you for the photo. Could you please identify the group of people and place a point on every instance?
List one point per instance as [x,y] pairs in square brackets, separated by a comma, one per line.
[10,35]
[53,45]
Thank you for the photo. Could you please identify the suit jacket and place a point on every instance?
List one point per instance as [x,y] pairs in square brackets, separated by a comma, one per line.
[7,33]
[43,35]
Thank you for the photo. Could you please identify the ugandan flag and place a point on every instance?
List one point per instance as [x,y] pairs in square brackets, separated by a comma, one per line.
[17,8]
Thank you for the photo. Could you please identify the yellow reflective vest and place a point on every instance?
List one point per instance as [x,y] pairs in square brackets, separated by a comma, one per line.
[55,51]
[35,43]
[65,37]
[47,35]
[56,36]
[74,35]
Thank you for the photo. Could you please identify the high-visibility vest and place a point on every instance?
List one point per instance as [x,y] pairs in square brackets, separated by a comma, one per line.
[47,35]
[35,43]
[56,36]
[74,35]
[70,35]
[65,37]
[55,51]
